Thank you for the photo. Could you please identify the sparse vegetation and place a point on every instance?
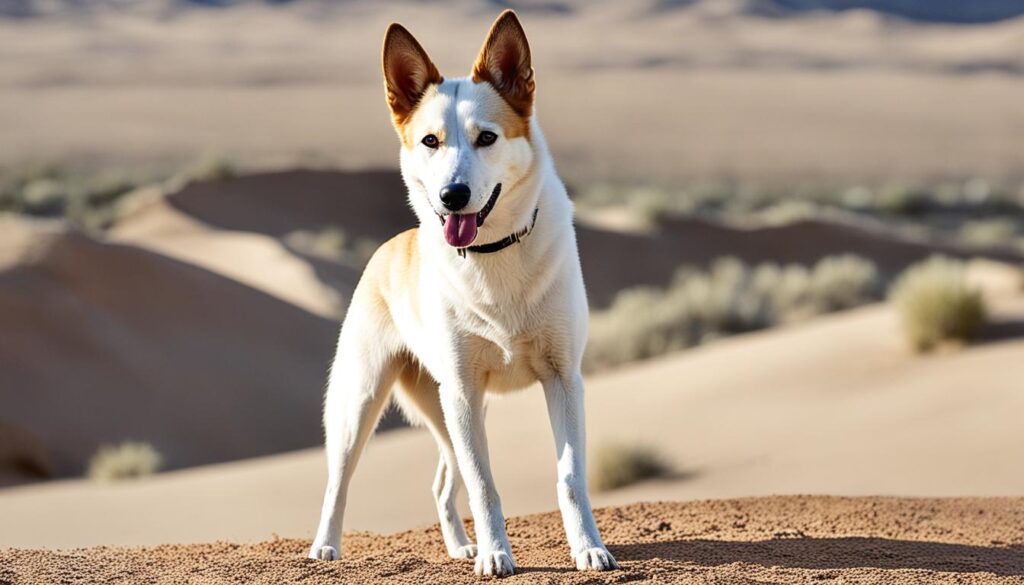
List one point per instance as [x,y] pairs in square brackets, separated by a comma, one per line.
[208,168]
[127,460]
[973,211]
[86,200]
[90,199]
[936,304]
[729,298]
[335,243]
[617,465]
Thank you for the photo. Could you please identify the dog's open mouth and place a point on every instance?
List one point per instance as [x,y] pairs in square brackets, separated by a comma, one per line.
[460,229]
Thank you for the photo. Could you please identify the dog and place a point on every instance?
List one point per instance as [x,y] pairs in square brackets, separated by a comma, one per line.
[485,296]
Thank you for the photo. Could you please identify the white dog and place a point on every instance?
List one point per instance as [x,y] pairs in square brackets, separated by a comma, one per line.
[485,296]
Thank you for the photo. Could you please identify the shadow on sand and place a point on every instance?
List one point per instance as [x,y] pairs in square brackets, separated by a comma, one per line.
[835,553]
[1001,330]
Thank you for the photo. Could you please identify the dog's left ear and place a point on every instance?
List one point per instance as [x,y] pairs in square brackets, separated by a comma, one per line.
[504,62]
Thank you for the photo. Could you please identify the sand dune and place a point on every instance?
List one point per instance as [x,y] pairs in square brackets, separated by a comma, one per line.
[762,540]
[105,342]
[203,303]
[253,259]
[835,406]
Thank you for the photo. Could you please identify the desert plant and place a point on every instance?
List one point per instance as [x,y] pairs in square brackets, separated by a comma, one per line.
[211,168]
[936,304]
[843,282]
[127,460]
[729,298]
[617,465]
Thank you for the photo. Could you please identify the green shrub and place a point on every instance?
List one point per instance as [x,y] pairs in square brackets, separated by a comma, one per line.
[936,304]
[729,298]
[617,465]
[127,460]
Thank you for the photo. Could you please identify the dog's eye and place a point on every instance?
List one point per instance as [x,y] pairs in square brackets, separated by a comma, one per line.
[430,141]
[486,138]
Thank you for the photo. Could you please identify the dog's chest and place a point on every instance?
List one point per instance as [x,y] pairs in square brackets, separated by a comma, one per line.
[509,364]
[507,349]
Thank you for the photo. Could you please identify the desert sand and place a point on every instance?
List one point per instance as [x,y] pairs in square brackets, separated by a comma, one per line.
[835,406]
[745,541]
[638,91]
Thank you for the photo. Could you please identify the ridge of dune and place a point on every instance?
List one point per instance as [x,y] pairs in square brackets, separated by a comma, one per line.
[253,259]
[239,227]
[791,539]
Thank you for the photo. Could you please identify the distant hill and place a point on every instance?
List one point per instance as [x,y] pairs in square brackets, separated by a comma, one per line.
[948,11]
[951,11]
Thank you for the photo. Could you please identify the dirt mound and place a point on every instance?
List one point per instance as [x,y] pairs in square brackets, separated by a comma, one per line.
[104,342]
[755,540]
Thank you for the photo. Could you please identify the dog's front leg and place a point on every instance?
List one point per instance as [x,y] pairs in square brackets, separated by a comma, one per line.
[464,416]
[565,408]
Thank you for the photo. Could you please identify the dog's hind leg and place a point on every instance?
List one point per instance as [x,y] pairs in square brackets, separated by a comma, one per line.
[420,392]
[364,369]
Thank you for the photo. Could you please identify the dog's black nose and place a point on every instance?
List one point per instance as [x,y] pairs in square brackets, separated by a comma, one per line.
[455,196]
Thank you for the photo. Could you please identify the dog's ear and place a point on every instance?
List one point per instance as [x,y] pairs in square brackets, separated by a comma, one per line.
[504,62]
[408,72]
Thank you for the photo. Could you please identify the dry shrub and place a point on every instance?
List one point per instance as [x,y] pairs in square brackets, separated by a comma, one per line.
[127,460]
[936,304]
[729,298]
[617,465]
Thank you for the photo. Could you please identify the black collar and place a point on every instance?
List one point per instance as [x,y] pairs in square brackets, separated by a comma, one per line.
[504,242]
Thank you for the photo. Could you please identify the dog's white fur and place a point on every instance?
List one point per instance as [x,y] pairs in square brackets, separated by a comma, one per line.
[449,329]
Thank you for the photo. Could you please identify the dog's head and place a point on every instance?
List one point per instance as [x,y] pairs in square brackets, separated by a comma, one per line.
[465,142]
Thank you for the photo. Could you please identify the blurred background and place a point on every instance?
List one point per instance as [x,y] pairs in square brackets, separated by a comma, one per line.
[801,225]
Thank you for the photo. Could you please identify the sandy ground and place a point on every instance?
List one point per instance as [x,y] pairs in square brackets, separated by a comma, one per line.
[631,91]
[745,541]
[836,406]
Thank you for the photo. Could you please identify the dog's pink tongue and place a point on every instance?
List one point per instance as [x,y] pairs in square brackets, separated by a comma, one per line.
[459,230]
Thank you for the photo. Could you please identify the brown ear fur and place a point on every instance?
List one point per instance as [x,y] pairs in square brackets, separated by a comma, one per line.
[505,63]
[408,72]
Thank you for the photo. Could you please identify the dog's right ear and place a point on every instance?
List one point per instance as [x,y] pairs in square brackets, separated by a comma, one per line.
[408,72]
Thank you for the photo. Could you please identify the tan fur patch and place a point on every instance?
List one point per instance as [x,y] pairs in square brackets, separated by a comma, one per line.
[512,123]
[409,128]
[394,270]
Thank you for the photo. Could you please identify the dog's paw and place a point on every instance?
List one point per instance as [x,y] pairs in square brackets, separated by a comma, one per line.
[324,553]
[467,551]
[494,564]
[596,559]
